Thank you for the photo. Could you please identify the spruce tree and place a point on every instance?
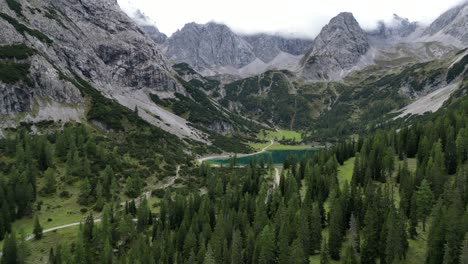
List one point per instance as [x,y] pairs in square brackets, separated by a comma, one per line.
[335,237]
[424,202]
[10,250]
[315,230]
[324,254]
[37,231]
[50,181]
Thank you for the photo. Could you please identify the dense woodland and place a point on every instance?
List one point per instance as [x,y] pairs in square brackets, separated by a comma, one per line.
[243,217]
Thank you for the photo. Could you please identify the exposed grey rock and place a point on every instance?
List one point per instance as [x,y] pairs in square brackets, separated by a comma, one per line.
[267,47]
[453,23]
[98,42]
[213,49]
[208,47]
[154,33]
[337,48]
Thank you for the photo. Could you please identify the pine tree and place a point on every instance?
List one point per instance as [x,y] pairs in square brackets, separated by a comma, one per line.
[413,218]
[209,256]
[50,181]
[354,234]
[371,234]
[37,229]
[236,248]
[324,254]
[10,250]
[133,187]
[335,237]
[315,230]
[455,230]
[350,257]
[266,246]
[424,202]
[436,237]
[296,253]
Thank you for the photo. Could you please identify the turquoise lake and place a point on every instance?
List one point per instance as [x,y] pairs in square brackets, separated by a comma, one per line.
[279,156]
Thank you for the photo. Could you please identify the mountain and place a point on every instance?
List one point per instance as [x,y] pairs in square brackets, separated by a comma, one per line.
[88,40]
[213,49]
[337,48]
[87,61]
[267,47]
[209,48]
[450,27]
[154,34]
[148,26]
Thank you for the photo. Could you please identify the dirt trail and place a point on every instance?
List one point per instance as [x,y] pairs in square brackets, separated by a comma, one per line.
[225,156]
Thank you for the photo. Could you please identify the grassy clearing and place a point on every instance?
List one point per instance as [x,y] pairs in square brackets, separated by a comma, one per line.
[39,249]
[268,135]
[412,164]
[277,146]
[345,172]
[279,135]
[55,211]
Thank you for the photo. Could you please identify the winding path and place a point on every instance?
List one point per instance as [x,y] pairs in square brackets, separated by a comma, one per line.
[226,156]
[97,220]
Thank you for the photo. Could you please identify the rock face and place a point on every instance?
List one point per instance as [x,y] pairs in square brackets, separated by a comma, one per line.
[154,33]
[91,39]
[452,24]
[208,48]
[213,49]
[268,47]
[337,48]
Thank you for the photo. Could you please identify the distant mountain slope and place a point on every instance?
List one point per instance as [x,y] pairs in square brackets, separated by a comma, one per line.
[87,61]
[267,47]
[451,26]
[337,48]
[214,48]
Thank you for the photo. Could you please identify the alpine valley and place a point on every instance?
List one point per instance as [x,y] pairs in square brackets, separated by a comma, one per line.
[119,144]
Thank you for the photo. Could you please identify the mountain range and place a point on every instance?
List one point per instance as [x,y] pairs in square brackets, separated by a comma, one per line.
[201,46]
[88,61]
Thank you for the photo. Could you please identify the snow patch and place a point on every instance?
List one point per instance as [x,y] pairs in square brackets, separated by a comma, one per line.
[429,103]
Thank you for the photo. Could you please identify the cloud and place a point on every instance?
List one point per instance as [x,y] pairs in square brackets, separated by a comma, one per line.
[291,17]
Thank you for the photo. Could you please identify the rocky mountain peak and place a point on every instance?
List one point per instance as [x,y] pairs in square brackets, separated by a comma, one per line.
[452,24]
[209,47]
[337,48]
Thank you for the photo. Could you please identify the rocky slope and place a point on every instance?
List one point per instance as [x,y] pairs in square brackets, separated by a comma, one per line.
[210,48]
[338,47]
[215,49]
[450,27]
[267,47]
[83,60]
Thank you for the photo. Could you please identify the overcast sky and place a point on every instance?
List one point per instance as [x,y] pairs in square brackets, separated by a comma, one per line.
[296,17]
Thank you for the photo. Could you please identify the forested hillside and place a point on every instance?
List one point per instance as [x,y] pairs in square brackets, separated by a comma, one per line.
[387,212]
